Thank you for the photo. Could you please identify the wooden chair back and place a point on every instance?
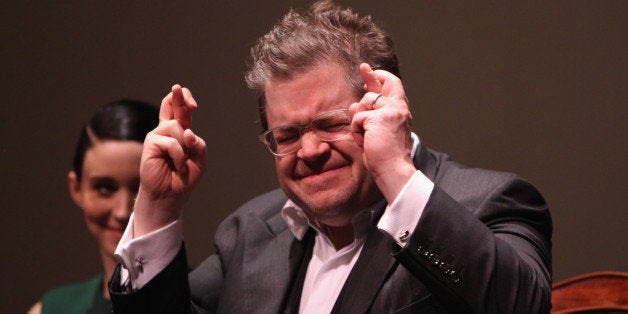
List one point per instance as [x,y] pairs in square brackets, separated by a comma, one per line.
[593,292]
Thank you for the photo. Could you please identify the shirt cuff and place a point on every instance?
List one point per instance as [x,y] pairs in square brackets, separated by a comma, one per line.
[142,258]
[402,215]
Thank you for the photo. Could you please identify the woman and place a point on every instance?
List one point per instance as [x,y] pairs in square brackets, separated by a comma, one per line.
[103,183]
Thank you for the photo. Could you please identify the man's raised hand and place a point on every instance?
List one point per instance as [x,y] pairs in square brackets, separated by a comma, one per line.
[381,125]
[173,162]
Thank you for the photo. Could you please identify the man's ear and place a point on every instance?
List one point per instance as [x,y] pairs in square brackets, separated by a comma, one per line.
[74,185]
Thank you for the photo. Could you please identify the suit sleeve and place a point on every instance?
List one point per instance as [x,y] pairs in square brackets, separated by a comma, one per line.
[492,258]
[167,292]
[173,290]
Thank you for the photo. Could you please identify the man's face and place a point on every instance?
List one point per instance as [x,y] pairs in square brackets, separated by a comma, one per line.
[327,179]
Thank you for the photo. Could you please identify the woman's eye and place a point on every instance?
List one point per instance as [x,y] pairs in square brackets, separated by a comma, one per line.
[105,188]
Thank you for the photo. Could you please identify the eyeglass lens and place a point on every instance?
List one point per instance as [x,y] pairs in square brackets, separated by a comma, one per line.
[328,126]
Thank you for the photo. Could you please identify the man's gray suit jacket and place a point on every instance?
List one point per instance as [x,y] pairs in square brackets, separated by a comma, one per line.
[482,245]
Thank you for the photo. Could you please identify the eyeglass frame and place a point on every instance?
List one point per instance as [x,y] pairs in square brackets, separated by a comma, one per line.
[302,128]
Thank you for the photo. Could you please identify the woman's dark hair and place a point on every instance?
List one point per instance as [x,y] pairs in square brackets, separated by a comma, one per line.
[121,120]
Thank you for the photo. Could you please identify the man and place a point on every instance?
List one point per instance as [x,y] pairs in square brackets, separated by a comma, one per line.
[367,218]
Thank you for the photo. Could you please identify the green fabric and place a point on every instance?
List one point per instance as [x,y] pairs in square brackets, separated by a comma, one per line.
[76,298]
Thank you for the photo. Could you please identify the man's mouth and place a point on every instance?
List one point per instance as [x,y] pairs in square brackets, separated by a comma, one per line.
[312,173]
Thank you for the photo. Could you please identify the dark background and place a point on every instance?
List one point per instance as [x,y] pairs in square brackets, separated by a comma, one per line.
[534,87]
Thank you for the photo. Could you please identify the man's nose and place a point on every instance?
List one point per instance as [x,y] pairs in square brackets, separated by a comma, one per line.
[311,146]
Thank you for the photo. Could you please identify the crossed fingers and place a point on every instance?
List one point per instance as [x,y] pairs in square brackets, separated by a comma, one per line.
[177,105]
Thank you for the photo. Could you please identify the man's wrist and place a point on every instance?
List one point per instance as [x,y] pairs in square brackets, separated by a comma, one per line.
[153,214]
[392,181]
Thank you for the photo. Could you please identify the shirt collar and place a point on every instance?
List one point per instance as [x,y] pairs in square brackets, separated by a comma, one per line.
[415,144]
[298,222]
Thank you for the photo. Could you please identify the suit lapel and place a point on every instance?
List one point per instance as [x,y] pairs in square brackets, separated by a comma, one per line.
[367,276]
[269,266]
[300,255]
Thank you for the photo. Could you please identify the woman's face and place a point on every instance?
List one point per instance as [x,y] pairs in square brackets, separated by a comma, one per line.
[107,190]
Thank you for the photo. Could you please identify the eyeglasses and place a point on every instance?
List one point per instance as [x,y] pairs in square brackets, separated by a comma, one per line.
[328,126]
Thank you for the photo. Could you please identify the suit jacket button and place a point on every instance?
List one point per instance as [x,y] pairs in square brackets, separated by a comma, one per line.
[435,261]
[453,276]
